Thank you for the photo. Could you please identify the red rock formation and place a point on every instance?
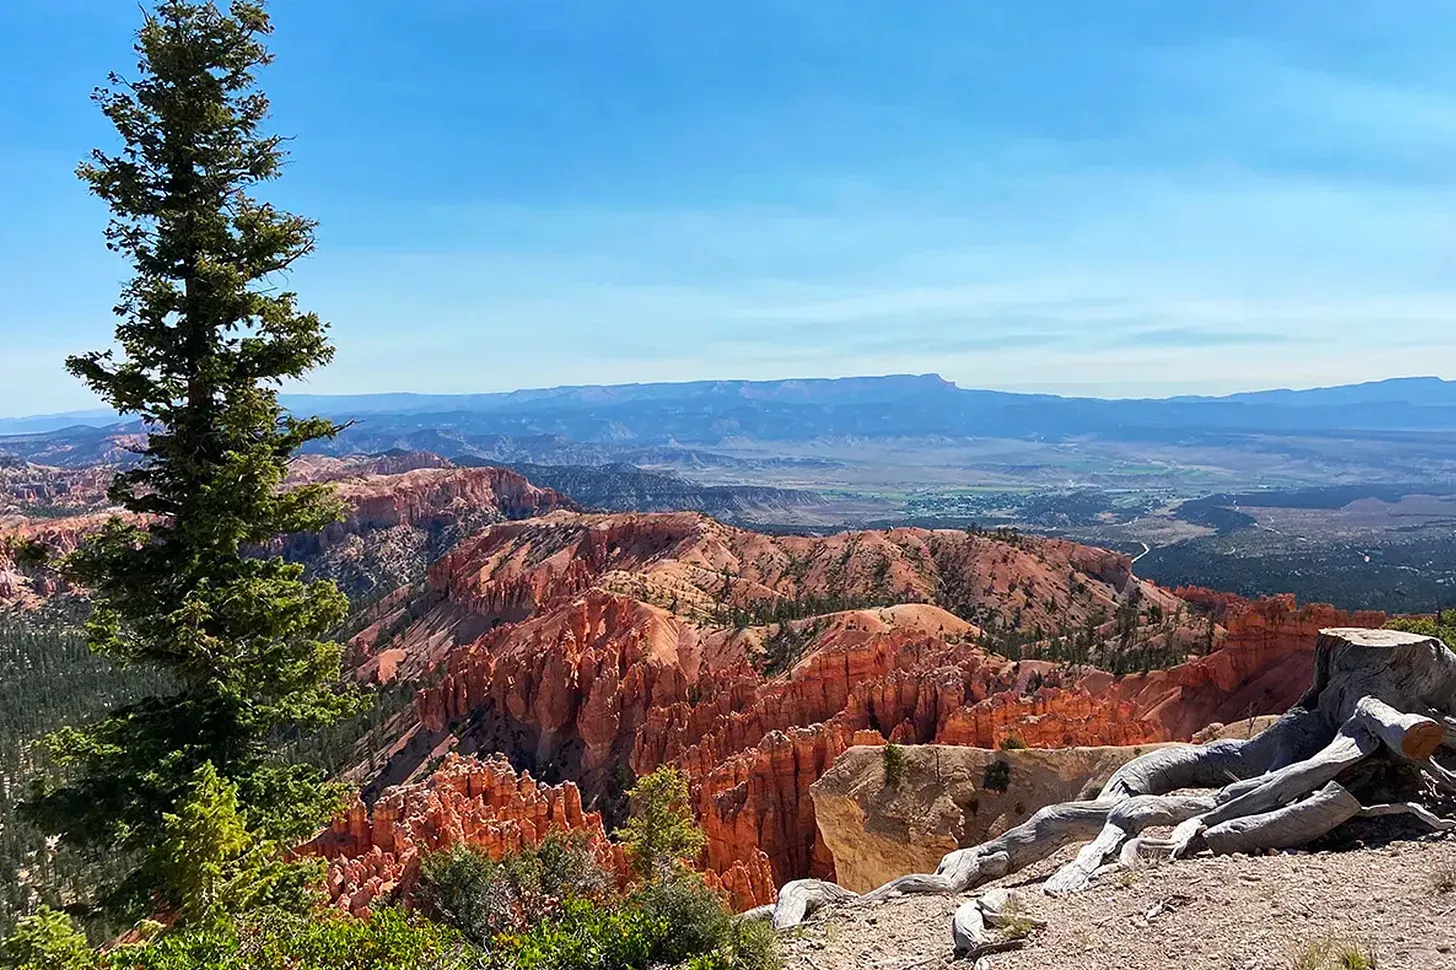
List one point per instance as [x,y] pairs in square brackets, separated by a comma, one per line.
[610,644]
[428,499]
[430,496]
[1261,665]
[25,487]
[28,586]
[746,884]
[327,468]
[426,496]
[376,855]
[593,642]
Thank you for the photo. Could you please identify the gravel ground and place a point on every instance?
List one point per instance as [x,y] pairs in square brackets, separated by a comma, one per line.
[1397,901]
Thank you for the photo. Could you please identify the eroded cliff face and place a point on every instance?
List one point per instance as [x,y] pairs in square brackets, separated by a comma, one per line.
[597,647]
[397,522]
[949,796]
[1262,662]
[401,512]
[24,584]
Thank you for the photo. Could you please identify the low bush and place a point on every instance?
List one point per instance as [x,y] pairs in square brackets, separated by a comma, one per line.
[667,923]
[1335,955]
[997,776]
[276,940]
[483,897]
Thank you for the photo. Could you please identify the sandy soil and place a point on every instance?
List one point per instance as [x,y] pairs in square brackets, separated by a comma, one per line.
[1230,913]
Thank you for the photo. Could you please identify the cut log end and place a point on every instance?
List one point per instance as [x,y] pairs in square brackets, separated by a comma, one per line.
[1422,739]
[1413,735]
[1376,638]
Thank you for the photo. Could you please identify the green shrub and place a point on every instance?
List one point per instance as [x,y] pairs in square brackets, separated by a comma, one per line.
[997,776]
[892,756]
[46,940]
[661,832]
[276,940]
[1012,742]
[212,867]
[483,898]
[667,923]
[1334,954]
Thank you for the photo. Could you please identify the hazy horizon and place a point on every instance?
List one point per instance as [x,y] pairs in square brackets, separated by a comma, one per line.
[304,392]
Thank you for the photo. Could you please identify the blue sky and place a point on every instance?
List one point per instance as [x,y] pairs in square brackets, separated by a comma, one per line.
[1119,198]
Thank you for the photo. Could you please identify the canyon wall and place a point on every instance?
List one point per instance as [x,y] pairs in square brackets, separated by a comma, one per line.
[580,644]
[592,648]
[400,513]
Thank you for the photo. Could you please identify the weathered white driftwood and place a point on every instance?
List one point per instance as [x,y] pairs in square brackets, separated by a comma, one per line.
[968,925]
[801,897]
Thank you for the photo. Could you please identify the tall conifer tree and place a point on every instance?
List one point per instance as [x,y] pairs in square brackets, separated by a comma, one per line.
[205,338]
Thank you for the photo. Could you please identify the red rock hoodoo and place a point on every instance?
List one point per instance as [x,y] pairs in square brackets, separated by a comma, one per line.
[485,804]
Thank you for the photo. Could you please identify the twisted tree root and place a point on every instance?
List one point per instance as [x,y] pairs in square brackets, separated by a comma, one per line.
[1427,816]
[1127,819]
[1284,828]
[804,896]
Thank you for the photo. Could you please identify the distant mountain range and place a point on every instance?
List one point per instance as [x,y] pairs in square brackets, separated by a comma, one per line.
[708,412]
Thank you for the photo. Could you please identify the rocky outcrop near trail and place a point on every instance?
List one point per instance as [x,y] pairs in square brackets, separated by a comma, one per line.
[1392,899]
[1367,753]
[945,797]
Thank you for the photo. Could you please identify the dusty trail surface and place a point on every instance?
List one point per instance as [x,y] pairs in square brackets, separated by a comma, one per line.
[1221,913]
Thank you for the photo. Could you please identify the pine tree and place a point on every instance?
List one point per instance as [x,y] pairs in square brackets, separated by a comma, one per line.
[212,867]
[205,338]
[661,832]
[46,940]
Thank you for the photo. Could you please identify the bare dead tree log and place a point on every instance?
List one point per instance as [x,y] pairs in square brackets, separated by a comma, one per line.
[1294,825]
[1002,906]
[999,907]
[1376,693]
[803,896]
[968,928]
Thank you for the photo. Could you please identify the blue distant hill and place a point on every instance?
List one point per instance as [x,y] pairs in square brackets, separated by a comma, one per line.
[899,405]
